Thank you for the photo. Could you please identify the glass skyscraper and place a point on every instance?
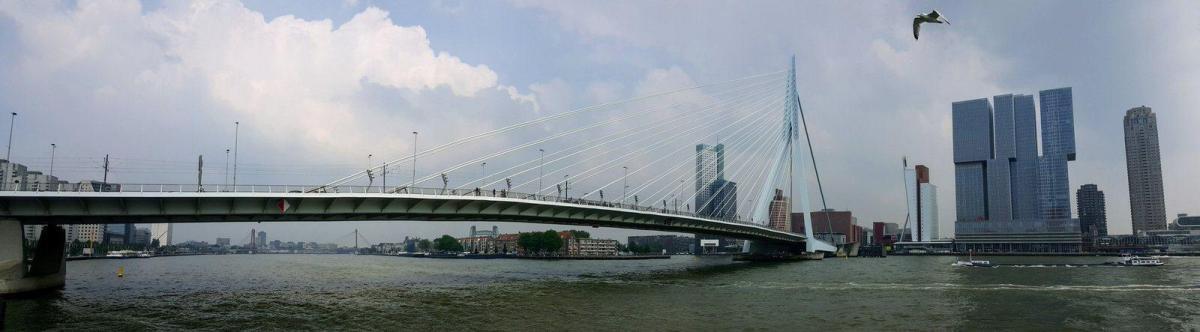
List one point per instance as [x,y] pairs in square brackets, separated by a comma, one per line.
[1058,147]
[1007,195]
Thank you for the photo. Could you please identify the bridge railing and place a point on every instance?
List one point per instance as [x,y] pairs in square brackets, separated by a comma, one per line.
[354,189]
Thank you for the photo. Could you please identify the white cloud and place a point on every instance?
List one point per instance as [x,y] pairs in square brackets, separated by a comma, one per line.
[304,87]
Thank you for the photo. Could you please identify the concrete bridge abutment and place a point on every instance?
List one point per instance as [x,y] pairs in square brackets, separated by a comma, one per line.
[42,268]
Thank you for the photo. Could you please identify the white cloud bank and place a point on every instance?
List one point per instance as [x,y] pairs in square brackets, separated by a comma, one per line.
[301,84]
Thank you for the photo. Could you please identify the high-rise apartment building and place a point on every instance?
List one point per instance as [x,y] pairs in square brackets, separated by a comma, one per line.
[1009,198]
[922,205]
[778,213]
[1144,166]
[1090,206]
[710,167]
[91,232]
[164,233]
[715,196]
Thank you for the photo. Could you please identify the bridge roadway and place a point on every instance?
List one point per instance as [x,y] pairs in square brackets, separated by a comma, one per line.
[244,203]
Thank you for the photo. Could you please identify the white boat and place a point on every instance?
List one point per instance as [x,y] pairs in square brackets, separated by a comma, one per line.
[972,262]
[121,254]
[129,254]
[1129,260]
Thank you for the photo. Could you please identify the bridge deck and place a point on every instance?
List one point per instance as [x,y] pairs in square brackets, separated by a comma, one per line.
[150,204]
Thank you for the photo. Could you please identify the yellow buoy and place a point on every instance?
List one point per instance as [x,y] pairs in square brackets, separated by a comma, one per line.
[120,272]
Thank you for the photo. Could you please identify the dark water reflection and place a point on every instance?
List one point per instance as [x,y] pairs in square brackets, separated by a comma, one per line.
[321,292]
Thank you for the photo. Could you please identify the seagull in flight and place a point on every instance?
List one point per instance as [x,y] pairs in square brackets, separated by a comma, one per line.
[932,17]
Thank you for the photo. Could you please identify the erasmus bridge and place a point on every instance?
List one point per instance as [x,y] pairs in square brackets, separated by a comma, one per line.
[707,159]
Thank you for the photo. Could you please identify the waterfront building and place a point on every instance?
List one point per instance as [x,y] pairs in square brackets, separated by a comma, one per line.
[478,244]
[922,204]
[886,233]
[507,244]
[163,233]
[262,240]
[593,247]
[575,246]
[1143,163]
[223,242]
[1093,221]
[831,225]
[120,233]
[1008,198]
[672,244]
[141,235]
[492,233]
[93,233]
[777,212]
[1184,222]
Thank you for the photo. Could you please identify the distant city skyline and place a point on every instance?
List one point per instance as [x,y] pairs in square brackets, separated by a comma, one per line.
[867,91]
[1007,194]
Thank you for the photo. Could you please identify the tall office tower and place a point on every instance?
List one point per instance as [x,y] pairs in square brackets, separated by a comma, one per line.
[1144,164]
[710,169]
[1090,205]
[922,204]
[1058,147]
[262,240]
[163,233]
[778,213]
[973,148]
[1005,190]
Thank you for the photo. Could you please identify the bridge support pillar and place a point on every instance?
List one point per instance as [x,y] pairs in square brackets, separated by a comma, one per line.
[48,268]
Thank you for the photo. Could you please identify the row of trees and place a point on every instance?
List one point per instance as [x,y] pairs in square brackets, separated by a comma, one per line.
[540,243]
[446,243]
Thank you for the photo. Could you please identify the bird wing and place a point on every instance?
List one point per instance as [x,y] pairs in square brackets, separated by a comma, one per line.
[916,28]
[934,15]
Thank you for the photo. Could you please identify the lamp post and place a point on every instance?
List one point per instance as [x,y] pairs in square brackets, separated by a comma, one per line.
[370,175]
[8,154]
[414,158]
[236,126]
[52,148]
[541,164]
[485,174]
[625,184]
[227,170]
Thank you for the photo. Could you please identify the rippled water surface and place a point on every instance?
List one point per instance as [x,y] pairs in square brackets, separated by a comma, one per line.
[343,292]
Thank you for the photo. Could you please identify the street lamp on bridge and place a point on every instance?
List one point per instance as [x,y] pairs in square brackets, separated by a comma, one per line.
[414,158]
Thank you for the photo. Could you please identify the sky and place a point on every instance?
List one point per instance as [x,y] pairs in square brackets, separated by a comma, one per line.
[316,85]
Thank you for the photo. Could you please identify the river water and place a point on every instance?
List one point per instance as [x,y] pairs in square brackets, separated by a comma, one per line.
[684,293]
